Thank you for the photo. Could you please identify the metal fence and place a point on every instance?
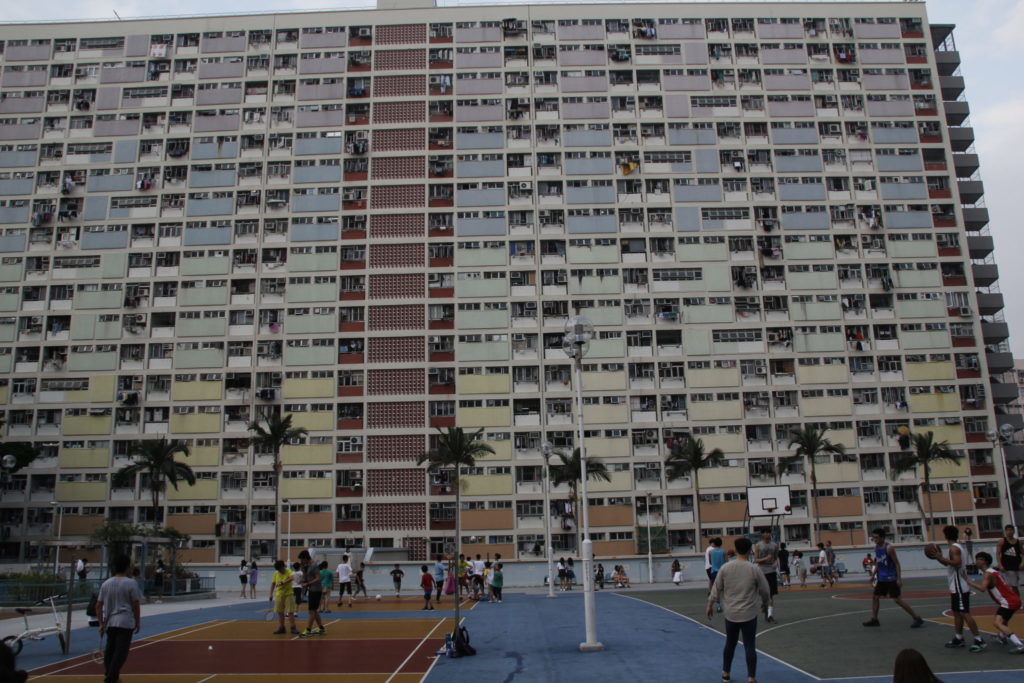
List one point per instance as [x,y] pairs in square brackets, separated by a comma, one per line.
[19,593]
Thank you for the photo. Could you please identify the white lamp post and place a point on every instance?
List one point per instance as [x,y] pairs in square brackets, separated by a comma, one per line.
[60,525]
[546,447]
[1001,439]
[650,553]
[575,343]
[288,533]
[949,489]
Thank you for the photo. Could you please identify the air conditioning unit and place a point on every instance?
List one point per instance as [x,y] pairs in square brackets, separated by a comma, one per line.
[525,185]
[773,337]
[364,33]
[965,312]
[519,336]
[760,370]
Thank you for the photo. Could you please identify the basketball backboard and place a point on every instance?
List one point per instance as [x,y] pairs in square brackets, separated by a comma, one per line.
[768,501]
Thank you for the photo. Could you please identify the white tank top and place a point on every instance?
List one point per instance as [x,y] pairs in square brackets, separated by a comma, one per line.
[958,576]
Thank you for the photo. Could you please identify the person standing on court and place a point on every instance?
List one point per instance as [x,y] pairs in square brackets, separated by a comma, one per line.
[439,569]
[766,556]
[888,577]
[784,565]
[742,589]
[1008,556]
[344,572]
[959,590]
[282,594]
[119,615]
[310,581]
[82,569]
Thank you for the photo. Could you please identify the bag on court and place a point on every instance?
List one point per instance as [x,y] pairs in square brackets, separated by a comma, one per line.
[449,585]
[462,646]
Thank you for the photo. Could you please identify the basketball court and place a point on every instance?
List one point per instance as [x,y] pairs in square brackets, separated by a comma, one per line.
[647,634]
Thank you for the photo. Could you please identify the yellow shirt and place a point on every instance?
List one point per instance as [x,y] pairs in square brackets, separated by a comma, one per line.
[282,586]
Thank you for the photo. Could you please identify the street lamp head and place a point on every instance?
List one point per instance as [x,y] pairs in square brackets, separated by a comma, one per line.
[578,333]
[1006,431]
[9,462]
[991,434]
[546,448]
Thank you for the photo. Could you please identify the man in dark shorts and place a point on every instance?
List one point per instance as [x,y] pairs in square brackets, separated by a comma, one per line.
[766,556]
[888,577]
[344,573]
[784,565]
[959,590]
[310,580]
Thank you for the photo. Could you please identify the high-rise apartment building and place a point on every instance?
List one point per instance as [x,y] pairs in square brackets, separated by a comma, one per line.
[379,221]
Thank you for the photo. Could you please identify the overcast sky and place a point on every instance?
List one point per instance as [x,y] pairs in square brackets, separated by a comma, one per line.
[988,36]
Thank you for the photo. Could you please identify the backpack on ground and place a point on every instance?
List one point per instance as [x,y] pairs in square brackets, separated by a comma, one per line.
[462,646]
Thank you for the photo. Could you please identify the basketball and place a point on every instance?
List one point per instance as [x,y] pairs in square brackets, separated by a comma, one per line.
[931,551]
[378,596]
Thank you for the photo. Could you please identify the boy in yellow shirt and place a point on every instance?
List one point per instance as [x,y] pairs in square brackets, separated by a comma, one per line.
[283,596]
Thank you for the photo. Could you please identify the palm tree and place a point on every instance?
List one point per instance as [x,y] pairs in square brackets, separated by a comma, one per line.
[810,442]
[272,435]
[689,459]
[156,459]
[568,472]
[924,453]
[456,449]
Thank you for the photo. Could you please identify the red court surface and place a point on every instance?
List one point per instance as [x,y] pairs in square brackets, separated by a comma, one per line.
[352,651]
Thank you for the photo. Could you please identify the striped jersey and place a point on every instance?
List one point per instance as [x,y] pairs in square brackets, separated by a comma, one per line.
[1000,591]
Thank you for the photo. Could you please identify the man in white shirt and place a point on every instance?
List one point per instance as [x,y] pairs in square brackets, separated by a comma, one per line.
[478,577]
[117,609]
[707,561]
[344,573]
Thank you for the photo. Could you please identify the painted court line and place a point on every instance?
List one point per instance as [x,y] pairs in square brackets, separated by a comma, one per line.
[722,635]
[834,614]
[415,649]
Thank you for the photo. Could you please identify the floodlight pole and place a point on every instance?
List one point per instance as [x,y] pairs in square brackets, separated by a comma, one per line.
[650,554]
[578,331]
[1000,439]
[546,448]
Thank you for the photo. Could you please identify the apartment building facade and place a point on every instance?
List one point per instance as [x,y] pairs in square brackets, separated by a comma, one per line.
[378,222]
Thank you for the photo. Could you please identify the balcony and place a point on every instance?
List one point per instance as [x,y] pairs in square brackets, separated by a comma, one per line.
[999,361]
[984,274]
[961,138]
[947,62]
[965,165]
[970,191]
[952,87]
[989,303]
[994,333]
[956,112]
[975,218]
[1003,392]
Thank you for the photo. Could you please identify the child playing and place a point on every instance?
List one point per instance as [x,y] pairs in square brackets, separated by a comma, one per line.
[488,577]
[497,582]
[1006,599]
[283,597]
[396,578]
[799,570]
[427,584]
